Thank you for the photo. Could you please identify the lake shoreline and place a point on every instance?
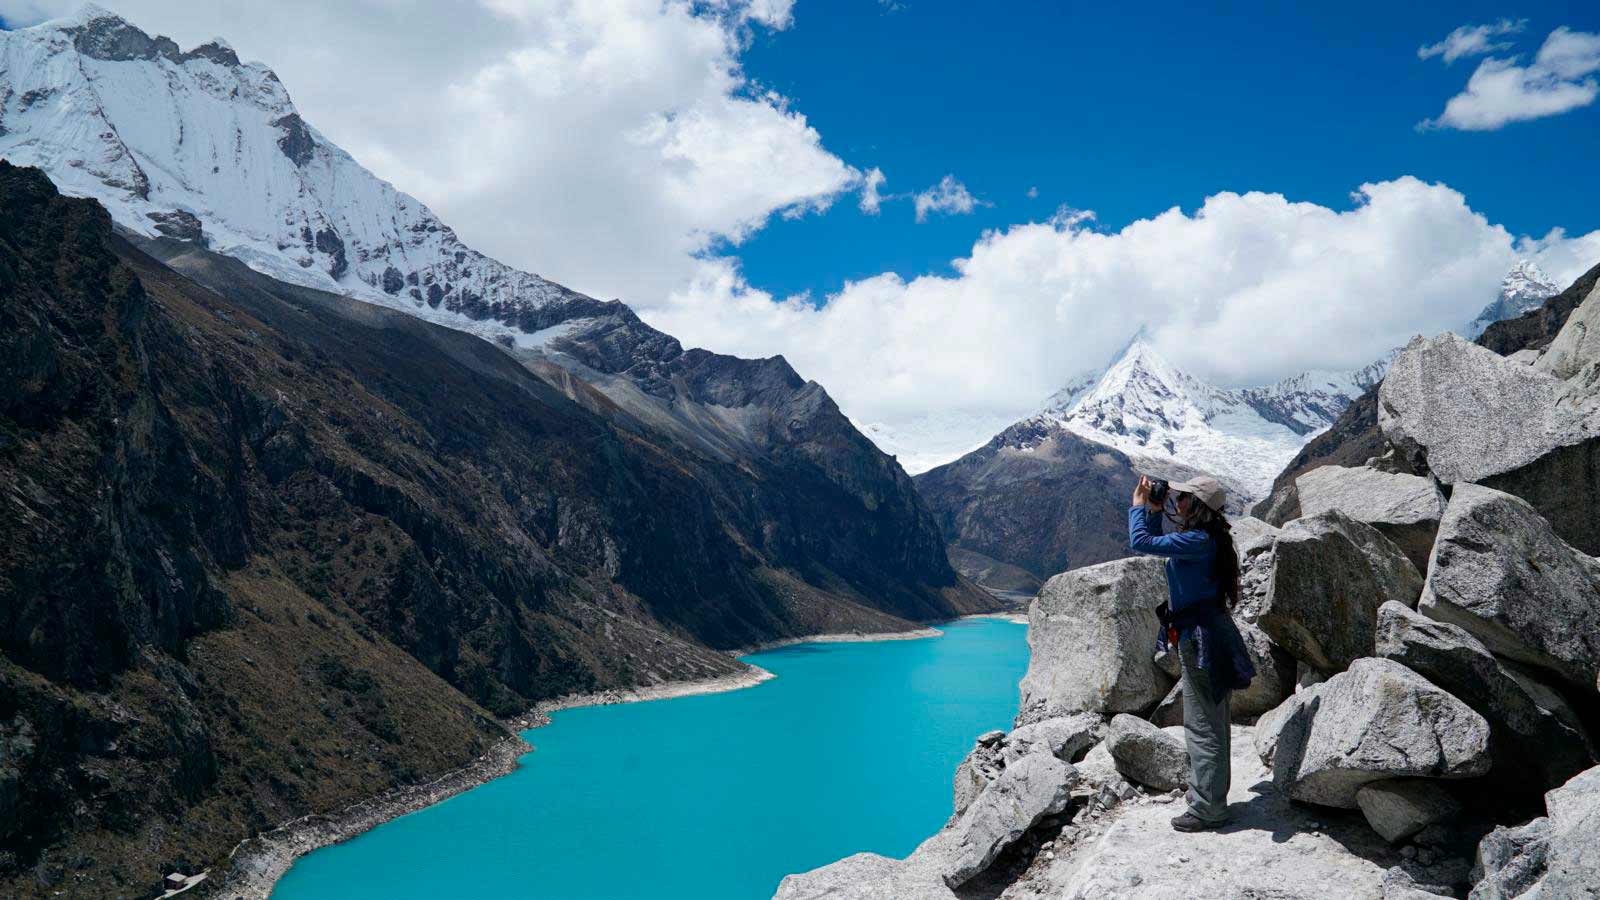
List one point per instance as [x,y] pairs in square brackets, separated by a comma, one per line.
[256,864]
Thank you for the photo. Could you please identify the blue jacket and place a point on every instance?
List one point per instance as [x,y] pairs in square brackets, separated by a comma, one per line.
[1194,604]
[1190,580]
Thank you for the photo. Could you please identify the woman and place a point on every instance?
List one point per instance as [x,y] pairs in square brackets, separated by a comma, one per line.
[1202,585]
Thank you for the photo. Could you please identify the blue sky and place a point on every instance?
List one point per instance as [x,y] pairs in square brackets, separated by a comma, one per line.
[1128,109]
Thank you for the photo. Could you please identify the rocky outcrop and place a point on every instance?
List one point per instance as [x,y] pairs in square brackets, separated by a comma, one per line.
[1400,808]
[1066,738]
[253,519]
[1330,573]
[1252,543]
[1468,415]
[1378,720]
[1035,786]
[1147,755]
[1501,572]
[1355,437]
[1405,508]
[1577,344]
[1092,634]
[1557,856]
[1536,738]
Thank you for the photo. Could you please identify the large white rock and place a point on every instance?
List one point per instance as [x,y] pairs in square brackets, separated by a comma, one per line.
[1033,787]
[1469,412]
[1405,508]
[1272,849]
[1091,633]
[1147,755]
[1500,572]
[1535,737]
[1401,807]
[1330,573]
[1375,721]
[1469,415]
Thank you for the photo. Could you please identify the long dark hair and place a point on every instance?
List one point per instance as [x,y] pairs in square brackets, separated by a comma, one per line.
[1225,563]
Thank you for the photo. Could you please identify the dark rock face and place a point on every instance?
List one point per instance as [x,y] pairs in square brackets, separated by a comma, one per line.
[179,225]
[110,38]
[296,141]
[1037,497]
[270,550]
[329,242]
[220,54]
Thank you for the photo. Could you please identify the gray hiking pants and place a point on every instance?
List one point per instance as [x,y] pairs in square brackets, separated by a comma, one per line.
[1205,731]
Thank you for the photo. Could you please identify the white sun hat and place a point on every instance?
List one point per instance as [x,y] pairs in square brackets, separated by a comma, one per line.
[1208,489]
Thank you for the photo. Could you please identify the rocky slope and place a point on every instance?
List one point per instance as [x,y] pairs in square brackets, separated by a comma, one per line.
[197,146]
[272,550]
[1440,738]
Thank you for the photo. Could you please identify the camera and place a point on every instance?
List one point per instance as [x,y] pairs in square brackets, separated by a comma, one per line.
[1158,491]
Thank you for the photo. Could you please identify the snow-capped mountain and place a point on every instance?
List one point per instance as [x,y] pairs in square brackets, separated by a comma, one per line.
[1524,288]
[201,146]
[1147,408]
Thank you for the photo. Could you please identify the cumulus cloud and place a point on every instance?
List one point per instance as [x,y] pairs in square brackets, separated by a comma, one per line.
[1248,289]
[871,200]
[948,197]
[605,145]
[1500,91]
[1472,40]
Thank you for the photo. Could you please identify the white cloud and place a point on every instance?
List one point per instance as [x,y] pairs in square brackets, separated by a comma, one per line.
[1033,193]
[949,197]
[1500,91]
[871,199]
[1246,290]
[602,144]
[1471,40]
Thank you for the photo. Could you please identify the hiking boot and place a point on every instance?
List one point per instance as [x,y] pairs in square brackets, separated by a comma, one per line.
[1191,822]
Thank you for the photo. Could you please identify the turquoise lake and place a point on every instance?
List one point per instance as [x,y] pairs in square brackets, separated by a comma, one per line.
[714,797]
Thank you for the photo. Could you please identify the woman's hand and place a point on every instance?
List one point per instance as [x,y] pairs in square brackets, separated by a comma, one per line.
[1141,492]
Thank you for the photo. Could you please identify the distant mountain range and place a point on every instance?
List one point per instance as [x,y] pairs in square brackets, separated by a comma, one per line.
[276,541]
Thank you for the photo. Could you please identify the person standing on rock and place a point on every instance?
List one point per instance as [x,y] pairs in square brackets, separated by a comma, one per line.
[1202,585]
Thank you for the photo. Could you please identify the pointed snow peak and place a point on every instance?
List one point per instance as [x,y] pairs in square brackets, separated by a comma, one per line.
[1526,276]
[1524,288]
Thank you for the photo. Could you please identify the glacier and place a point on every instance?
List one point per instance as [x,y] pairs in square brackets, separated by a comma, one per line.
[200,146]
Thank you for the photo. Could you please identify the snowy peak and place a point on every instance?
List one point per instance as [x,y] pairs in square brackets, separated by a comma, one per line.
[198,146]
[1525,288]
[1147,407]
